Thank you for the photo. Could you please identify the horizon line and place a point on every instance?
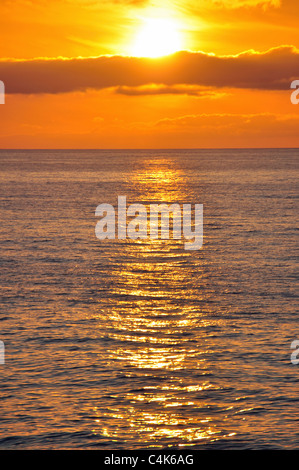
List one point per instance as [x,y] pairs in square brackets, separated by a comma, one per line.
[150,148]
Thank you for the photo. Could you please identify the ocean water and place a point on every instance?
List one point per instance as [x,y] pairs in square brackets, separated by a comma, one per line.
[122,344]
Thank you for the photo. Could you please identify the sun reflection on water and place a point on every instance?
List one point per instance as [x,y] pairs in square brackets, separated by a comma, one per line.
[153,332]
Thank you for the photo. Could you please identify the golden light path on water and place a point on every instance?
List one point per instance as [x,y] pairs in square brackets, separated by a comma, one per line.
[152,333]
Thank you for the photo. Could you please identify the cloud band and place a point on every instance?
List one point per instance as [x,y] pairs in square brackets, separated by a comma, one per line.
[273,70]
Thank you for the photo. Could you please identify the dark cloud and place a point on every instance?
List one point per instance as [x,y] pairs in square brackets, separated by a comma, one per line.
[271,70]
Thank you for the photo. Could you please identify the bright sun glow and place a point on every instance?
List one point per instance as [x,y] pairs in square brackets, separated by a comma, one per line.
[158,37]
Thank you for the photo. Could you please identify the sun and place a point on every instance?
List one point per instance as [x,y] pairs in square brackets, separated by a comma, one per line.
[157,38]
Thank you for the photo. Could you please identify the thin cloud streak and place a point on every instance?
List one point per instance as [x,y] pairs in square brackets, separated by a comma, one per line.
[152,90]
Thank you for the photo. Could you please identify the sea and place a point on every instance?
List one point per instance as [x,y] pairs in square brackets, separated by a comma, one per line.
[141,344]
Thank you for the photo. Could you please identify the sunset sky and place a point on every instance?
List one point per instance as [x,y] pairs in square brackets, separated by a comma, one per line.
[98,74]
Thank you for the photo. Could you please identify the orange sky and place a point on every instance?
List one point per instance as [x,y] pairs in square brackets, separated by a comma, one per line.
[71,80]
